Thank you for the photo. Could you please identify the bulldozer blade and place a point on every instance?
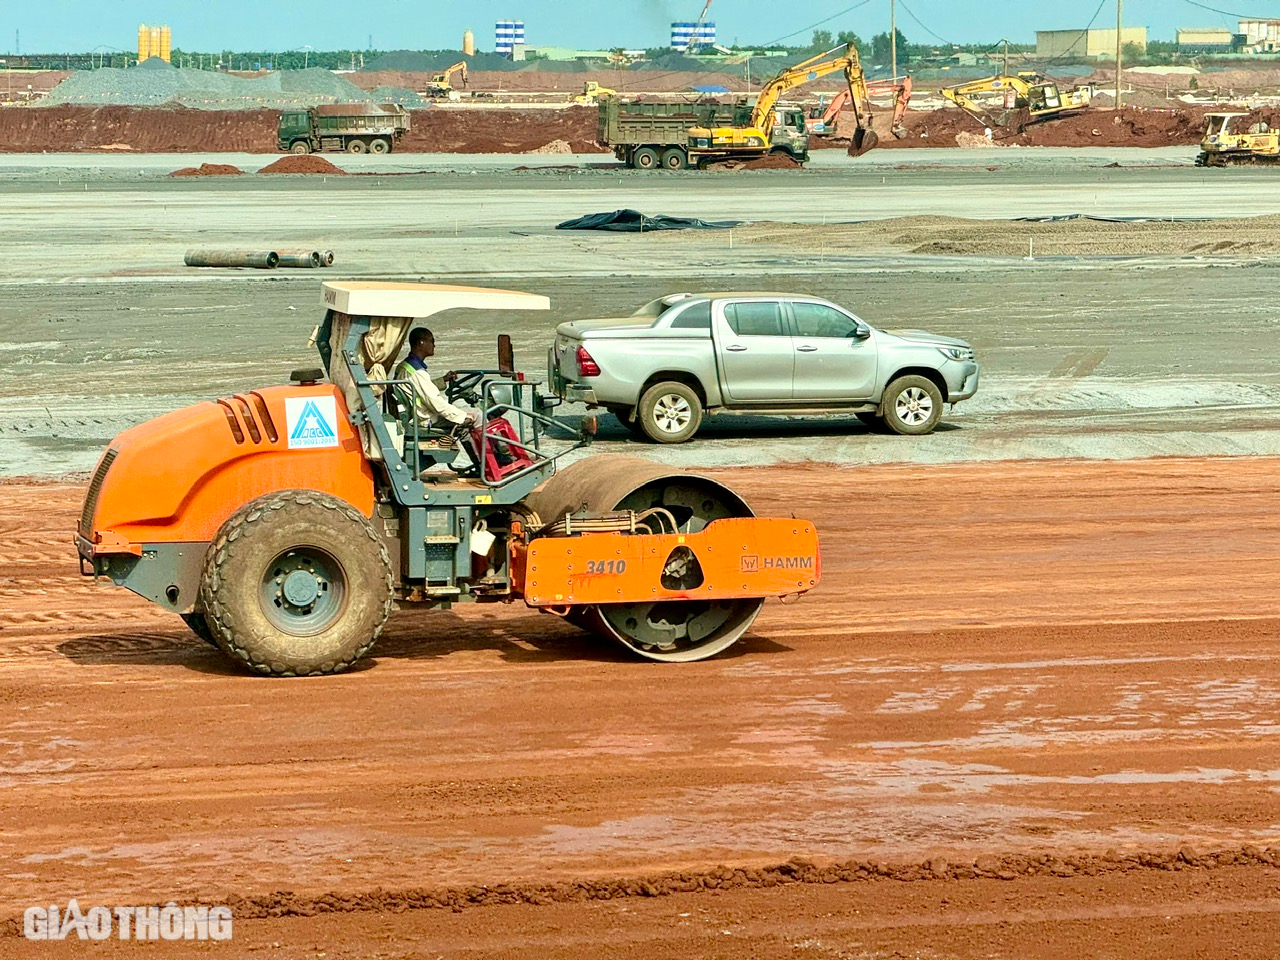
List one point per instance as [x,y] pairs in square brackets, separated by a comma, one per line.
[863,140]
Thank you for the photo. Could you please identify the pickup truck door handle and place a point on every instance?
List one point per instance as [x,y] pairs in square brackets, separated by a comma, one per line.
[735,347]
[807,348]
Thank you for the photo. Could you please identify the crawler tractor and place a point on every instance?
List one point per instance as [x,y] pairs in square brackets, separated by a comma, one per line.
[285,523]
[1222,146]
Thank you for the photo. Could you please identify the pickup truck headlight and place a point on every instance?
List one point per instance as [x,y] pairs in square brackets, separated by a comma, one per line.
[957,353]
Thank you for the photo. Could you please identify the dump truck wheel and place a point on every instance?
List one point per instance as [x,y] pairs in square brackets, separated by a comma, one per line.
[674,159]
[669,412]
[199,624]
[297,583]
[379,146]
[646,158]
[300,147]
[912,405]
[356,146]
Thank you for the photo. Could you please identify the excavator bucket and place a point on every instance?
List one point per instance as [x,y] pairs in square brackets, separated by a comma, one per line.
[864,139]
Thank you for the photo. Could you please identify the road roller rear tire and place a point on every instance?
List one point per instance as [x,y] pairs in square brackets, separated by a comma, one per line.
[198,623]
[297,583]
[672,631]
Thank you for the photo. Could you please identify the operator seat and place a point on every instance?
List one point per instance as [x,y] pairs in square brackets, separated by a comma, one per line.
[435,447]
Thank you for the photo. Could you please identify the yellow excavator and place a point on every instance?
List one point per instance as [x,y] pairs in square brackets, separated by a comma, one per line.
[441,85]
[1223,147]
[761,134]
[1025,98]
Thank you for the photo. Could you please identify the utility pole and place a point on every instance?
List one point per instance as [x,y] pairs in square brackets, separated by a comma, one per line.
[1119,46]
[1006,58]
[893,38]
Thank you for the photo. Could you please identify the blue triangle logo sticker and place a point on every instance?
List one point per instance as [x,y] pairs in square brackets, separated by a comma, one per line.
[312,422]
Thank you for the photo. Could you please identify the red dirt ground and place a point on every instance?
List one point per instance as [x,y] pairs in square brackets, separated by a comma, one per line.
[1030,712]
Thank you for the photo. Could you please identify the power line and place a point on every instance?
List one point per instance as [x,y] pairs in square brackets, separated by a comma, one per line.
[819,23]
[911,13]
[1225,13]
[1083,33]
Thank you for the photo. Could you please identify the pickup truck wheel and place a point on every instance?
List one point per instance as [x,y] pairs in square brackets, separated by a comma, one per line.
[300,146]
[356,146]
[912,405]
[646,158]
[379,146]
[670,412]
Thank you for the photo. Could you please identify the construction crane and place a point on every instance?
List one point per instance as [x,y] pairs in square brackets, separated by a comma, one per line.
[694,45]
[1027,98]
[753,136]
[441,85]
[824,122]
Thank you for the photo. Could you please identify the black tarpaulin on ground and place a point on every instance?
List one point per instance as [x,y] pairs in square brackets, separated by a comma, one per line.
[633,221]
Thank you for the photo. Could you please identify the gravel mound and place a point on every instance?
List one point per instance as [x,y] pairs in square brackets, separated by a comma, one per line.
[166,85]
[302,164]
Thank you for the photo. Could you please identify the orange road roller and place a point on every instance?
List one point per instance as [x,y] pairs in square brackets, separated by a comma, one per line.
[285,523]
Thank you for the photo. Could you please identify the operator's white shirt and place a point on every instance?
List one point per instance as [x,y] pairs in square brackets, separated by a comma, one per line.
[430,407]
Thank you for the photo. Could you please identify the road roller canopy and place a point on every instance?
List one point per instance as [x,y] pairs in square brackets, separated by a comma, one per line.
[415,301]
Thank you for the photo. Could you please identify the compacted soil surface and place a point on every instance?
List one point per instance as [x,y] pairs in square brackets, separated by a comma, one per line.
[1031,711]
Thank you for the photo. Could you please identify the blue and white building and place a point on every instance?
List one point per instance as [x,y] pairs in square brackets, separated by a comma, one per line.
[692,36]
[506,35]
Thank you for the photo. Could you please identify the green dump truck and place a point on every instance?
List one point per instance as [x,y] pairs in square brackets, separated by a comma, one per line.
[651,135]
[353,127]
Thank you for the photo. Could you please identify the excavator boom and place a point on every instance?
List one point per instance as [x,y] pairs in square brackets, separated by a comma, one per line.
[815,68]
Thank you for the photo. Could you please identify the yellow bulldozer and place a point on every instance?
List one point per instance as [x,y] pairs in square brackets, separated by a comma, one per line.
[1223,147]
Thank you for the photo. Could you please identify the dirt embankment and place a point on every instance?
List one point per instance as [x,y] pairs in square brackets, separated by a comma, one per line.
[573,129]
[1130,127]
[71,129]
[162,130]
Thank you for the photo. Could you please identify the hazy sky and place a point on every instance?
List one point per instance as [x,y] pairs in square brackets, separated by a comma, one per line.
[83,25]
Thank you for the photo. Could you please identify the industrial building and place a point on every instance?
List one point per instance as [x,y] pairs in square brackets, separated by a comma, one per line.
[153,42]
[508,39]
[1085,44]
[1205,40]
[1260,36]
[692,35]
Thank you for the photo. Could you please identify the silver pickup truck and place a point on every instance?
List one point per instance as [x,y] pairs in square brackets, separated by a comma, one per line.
[680,357]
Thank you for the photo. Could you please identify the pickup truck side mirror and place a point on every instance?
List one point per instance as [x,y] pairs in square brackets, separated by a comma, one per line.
[860,333]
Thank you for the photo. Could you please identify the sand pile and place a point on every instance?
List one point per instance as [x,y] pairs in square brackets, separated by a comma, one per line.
[209,170]
[555,146]
[302,164]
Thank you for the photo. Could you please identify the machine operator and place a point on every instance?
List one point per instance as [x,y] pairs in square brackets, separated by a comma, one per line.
[430,406]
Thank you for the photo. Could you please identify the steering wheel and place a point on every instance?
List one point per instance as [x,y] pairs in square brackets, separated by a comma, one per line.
[464,386]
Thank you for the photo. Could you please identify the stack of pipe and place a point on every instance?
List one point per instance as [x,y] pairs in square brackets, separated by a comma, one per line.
[261,259]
